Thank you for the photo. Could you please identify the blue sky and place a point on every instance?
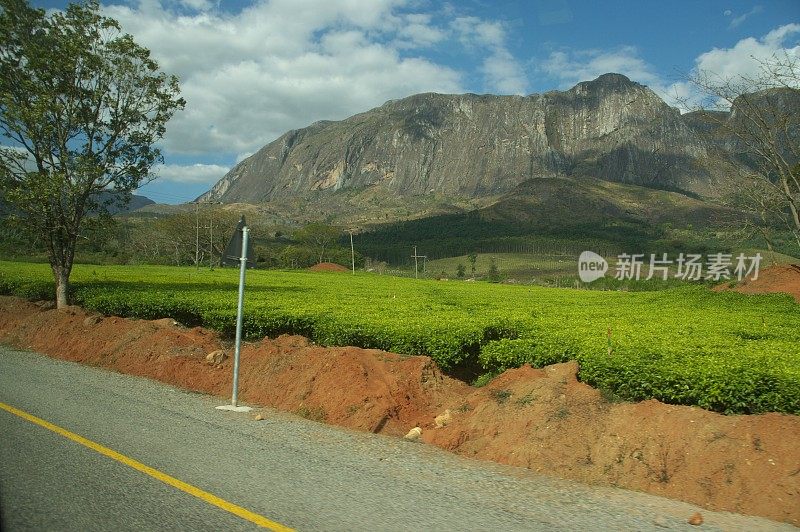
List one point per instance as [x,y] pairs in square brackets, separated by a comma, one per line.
[251,70]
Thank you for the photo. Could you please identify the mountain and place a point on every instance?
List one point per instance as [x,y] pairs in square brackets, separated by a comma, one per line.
[474,146]
[113,206]
[108,198]
[137,202]
[567,214]
[539,203]
[751,115]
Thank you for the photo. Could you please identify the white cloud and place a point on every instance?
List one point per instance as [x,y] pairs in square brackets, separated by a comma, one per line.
[190,174]
[502,72]
[198,5]
[743,58]
[283,64]
[505,72]
[473,31]
[737,21]
[418,31]
[572,66]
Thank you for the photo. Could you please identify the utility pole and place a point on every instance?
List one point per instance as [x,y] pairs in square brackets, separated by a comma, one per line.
[352,252]
[211,240]
[416,263]
[197,234]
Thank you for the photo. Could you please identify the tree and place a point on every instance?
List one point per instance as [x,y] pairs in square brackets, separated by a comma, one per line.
[760,123]
[82,105]
[318,237]
[473,258]
[494,272]
[460,270]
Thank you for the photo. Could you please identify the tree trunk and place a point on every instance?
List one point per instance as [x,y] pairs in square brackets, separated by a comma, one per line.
[61,275]
[795,215]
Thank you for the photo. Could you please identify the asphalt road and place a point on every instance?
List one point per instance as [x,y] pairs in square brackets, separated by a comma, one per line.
[295,472]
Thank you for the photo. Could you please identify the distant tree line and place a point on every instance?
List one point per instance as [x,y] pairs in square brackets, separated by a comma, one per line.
[195,237]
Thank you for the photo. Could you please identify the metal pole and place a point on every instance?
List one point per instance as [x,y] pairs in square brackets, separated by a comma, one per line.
[237,350]
[415,263]
[197,229]
[352,253]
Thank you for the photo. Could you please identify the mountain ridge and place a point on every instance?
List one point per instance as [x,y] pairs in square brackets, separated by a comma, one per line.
[473,145]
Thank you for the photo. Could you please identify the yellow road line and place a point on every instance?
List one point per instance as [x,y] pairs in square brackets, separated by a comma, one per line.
[155,473]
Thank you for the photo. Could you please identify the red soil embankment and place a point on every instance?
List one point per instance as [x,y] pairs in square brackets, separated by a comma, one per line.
[784,278]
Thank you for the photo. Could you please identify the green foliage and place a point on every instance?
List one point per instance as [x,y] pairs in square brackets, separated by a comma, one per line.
[319,237]
[450,235]
[81,108]
[460,270]
[726,352]
[494,272]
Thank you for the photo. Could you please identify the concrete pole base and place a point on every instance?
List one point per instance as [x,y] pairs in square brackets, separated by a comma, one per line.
[234,408]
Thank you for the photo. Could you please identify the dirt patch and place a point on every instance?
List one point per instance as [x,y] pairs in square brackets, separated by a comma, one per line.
[328,267]
[547,421]
[542,419]
[784,278]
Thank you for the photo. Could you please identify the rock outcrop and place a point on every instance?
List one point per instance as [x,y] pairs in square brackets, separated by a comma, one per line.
[471,146]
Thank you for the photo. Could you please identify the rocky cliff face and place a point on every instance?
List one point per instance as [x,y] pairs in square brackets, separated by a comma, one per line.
[479,145]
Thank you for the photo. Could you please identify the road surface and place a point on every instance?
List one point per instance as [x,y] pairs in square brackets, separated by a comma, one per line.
[152,457]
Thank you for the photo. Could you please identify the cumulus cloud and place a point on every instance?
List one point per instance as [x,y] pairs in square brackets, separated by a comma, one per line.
[505,73]
[572,66]
[277,65]
[742,59]
[501,70]
[418,31]
[473,31]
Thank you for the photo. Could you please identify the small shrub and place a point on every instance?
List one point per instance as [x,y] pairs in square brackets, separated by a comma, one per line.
[501,396]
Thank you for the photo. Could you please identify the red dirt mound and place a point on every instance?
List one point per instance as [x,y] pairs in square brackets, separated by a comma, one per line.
[781,278]
[328,267]
[543,419]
